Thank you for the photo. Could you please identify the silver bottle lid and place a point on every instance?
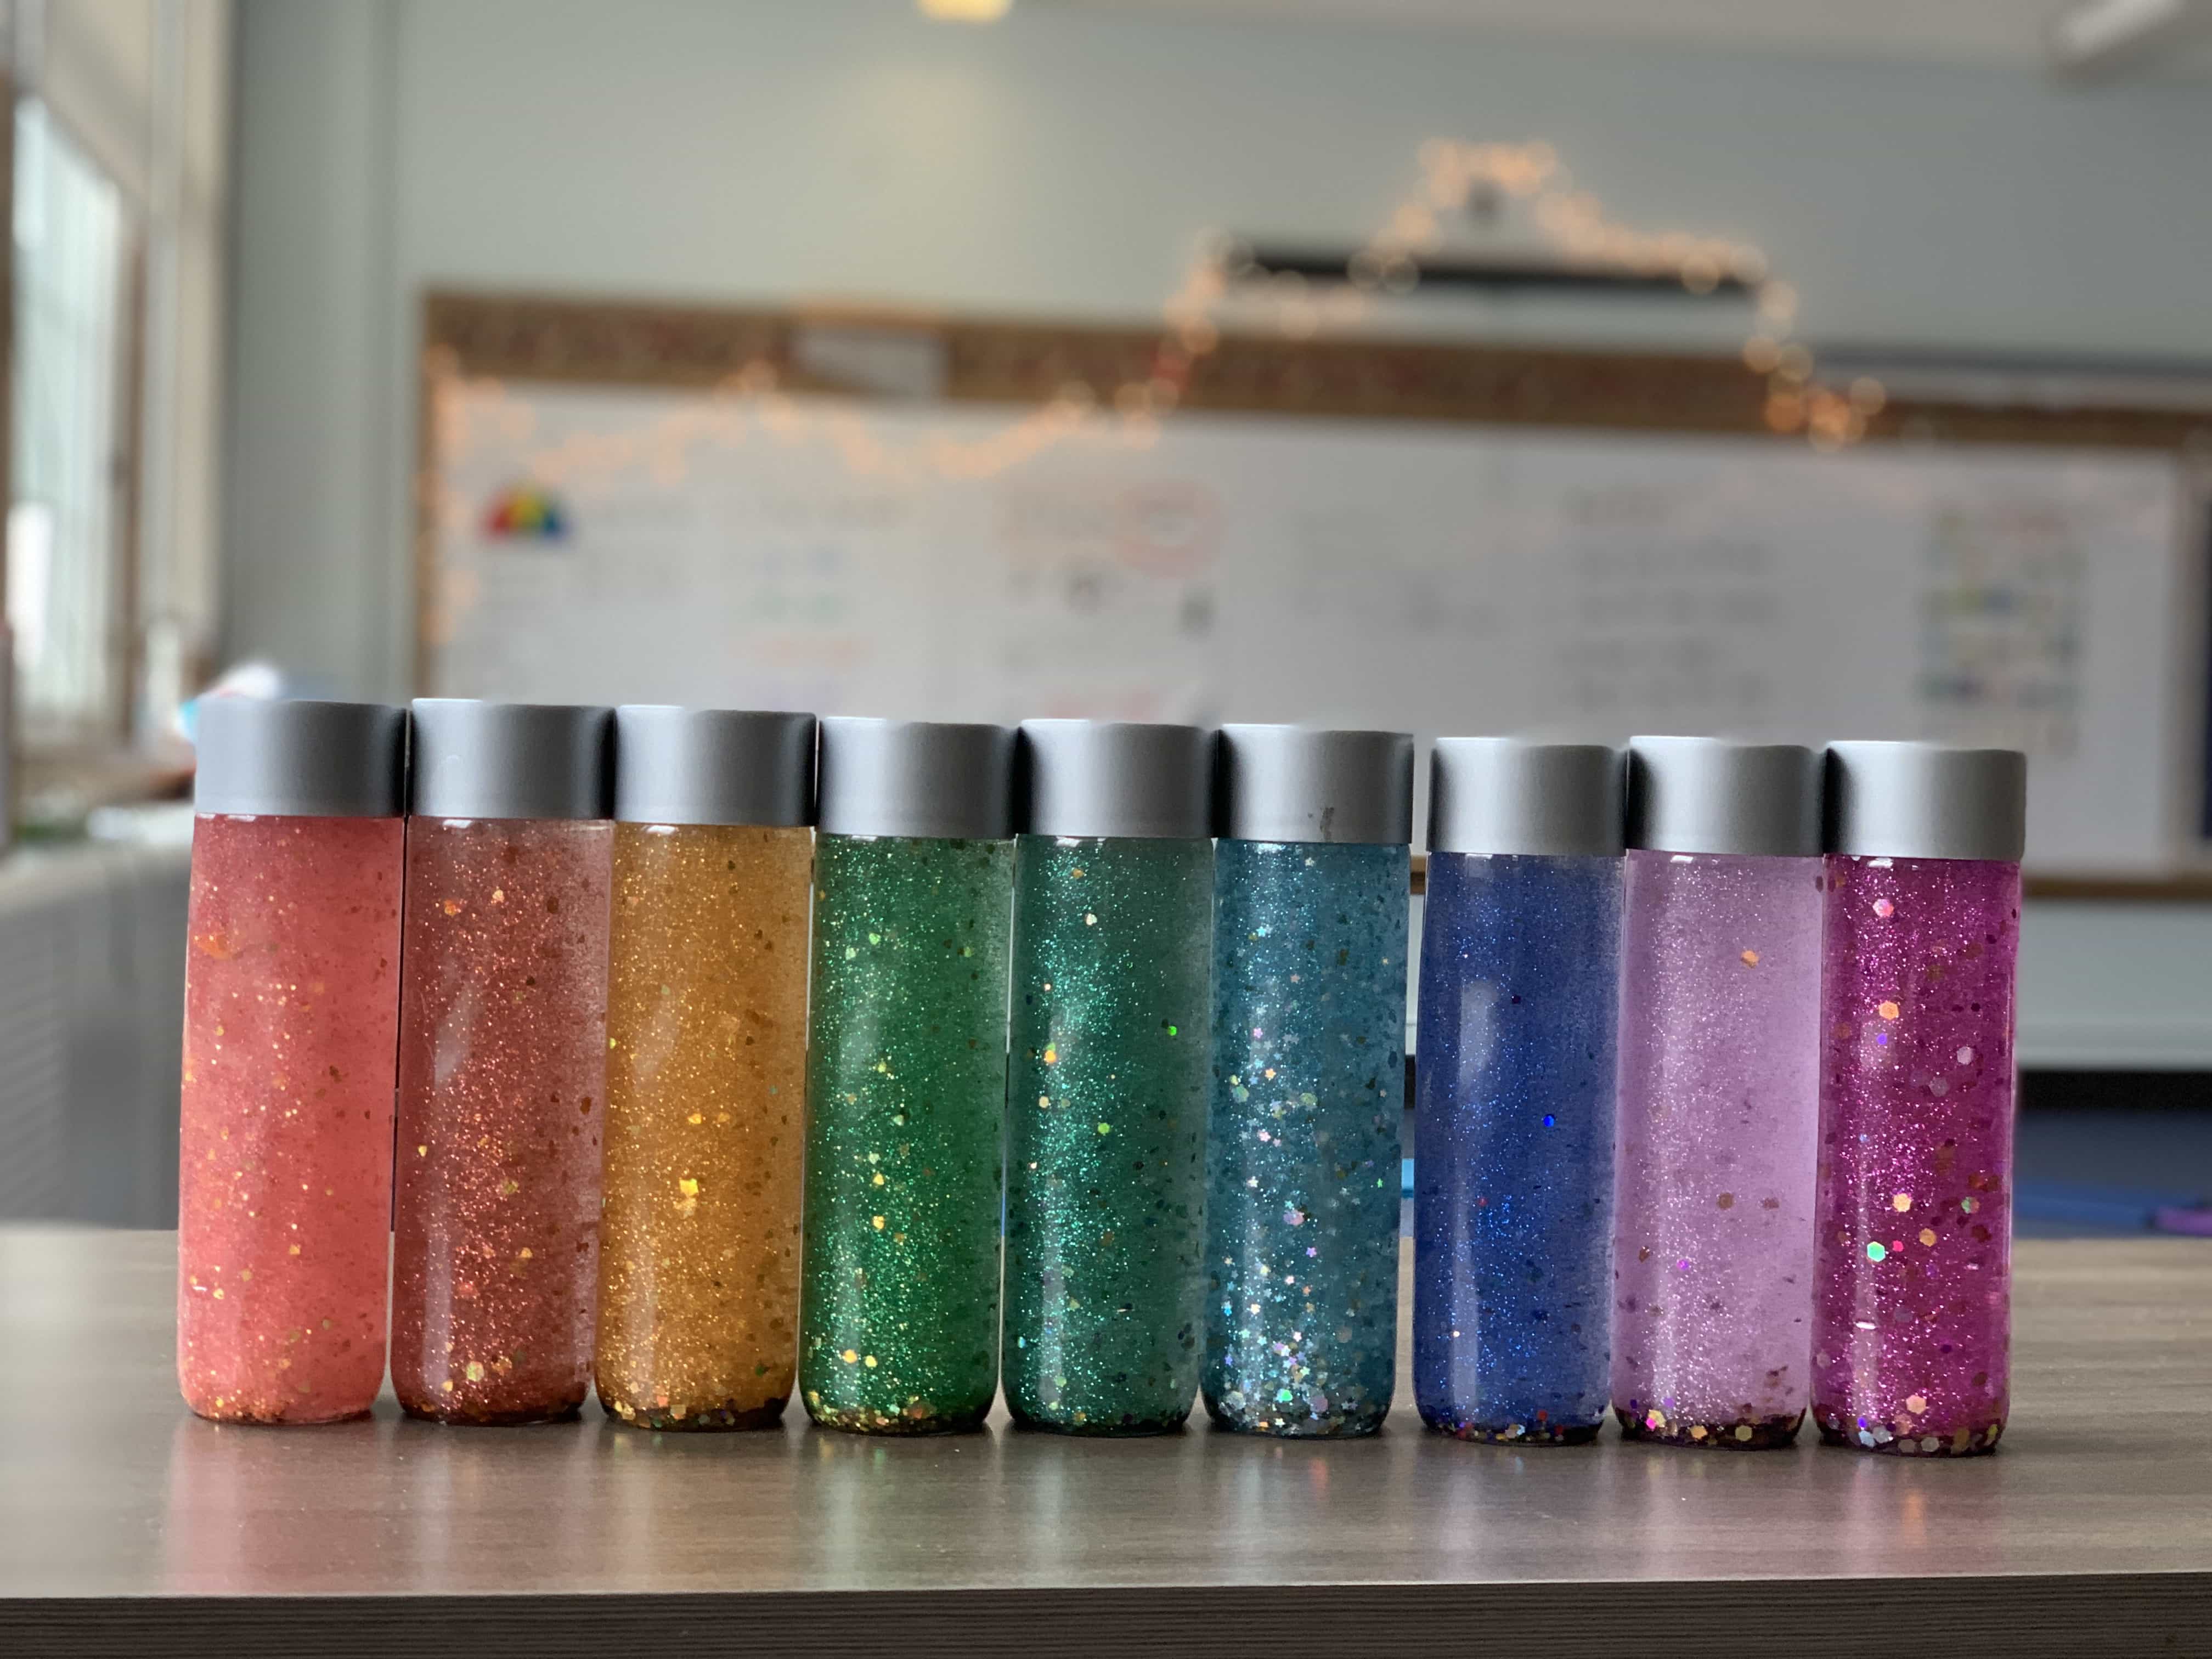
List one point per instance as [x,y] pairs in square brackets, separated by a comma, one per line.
[1927,800]
[510,760]
[300,760]
[1300,783]
[1710,795]
[1086,778]
[926,779]
[1507,795]
[713,766]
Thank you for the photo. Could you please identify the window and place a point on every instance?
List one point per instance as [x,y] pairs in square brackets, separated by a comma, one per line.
[67,591]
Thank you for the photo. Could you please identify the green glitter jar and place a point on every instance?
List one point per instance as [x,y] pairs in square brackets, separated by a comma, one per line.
[1108,1077]
[906,1076]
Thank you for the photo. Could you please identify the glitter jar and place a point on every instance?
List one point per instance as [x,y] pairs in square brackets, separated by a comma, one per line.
[1310,894]
[1720,1000]
[1107,1072]
[698,1298]
[1514,1114]
[1912,1315]
[503,1061]
[291,1003]
[907,1076]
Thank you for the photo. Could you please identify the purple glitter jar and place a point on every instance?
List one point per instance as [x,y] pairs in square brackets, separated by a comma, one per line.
[1913,1320]
[1719,1008]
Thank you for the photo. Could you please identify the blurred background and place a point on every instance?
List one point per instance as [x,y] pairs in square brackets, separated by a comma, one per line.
[1589,366]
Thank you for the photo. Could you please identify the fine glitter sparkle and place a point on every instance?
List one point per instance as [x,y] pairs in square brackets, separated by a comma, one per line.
[1719,1097]
[291,1008]
[1302,1200]
[502,1092]
[1106,1143]
[1912,1329]
[1513,1195]
[706,1065]
[907,1098]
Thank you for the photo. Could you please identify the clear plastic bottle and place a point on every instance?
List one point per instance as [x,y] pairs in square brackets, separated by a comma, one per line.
[1513,1177]
[291,1003]
[906,1080]
[503,1061]
[698,1297]
[1311,898]
[1719,994]
[1913,1320]
[1113,950]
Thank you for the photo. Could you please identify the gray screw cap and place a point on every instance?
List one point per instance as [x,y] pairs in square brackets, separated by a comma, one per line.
[1086,778]
[510,760]
[925,779]
[1508,796]
[300,759]
[1297,783]
[1709,795]
[713,766]
[1927,800]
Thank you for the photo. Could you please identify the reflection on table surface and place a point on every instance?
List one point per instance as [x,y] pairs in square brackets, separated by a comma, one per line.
[114,1489]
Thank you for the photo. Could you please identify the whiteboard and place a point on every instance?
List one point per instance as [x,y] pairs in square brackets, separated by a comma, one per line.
[853,557]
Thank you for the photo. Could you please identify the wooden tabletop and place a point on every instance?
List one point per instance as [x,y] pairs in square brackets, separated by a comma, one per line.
[127,1525]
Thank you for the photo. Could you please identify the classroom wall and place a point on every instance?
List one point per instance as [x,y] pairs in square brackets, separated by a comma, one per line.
[1065,163]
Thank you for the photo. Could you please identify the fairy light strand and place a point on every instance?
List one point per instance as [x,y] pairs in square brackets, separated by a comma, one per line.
[1574,222]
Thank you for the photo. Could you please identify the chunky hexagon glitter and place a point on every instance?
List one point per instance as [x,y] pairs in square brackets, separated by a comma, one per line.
[1309,1077]
[1913,1251]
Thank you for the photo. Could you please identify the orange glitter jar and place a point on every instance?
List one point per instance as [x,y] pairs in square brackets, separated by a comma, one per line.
[706,1066]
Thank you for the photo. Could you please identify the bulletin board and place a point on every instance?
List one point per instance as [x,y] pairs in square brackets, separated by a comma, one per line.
[862,514]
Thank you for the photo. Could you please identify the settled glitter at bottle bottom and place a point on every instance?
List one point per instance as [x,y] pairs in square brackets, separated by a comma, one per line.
[678,1419]
[473,1418]
[1865,1435]
[1746,1434]
[1335,1424]
[1540,1432]
[918,1417]
[1129,1426]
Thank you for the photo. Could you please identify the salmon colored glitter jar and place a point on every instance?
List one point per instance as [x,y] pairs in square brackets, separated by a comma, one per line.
[698,1314]
[502,1062]
[291,1001]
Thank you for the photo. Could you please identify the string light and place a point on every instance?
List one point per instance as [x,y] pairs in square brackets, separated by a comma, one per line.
[1454,174]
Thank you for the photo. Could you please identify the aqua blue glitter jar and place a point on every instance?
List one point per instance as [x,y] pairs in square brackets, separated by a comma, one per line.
[1309,899]
[1514,1089]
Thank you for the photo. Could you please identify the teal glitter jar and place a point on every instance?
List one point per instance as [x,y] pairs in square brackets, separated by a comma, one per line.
[1107,1074]
[1308,1079]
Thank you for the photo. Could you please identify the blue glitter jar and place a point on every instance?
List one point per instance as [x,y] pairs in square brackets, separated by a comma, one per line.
[1515,1090]
[1308,1079]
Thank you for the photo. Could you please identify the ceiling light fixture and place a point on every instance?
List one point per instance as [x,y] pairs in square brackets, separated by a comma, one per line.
[964,11]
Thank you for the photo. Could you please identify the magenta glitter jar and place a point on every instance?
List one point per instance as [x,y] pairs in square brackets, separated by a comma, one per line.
[1719,994]
[1913,1310]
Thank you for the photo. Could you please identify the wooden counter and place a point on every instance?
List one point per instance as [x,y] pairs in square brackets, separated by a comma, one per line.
[128,1526]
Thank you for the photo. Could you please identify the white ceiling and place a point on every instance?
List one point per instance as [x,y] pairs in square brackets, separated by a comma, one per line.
[2009,33]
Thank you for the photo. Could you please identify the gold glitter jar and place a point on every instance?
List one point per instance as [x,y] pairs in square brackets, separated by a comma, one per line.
[706,1066]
